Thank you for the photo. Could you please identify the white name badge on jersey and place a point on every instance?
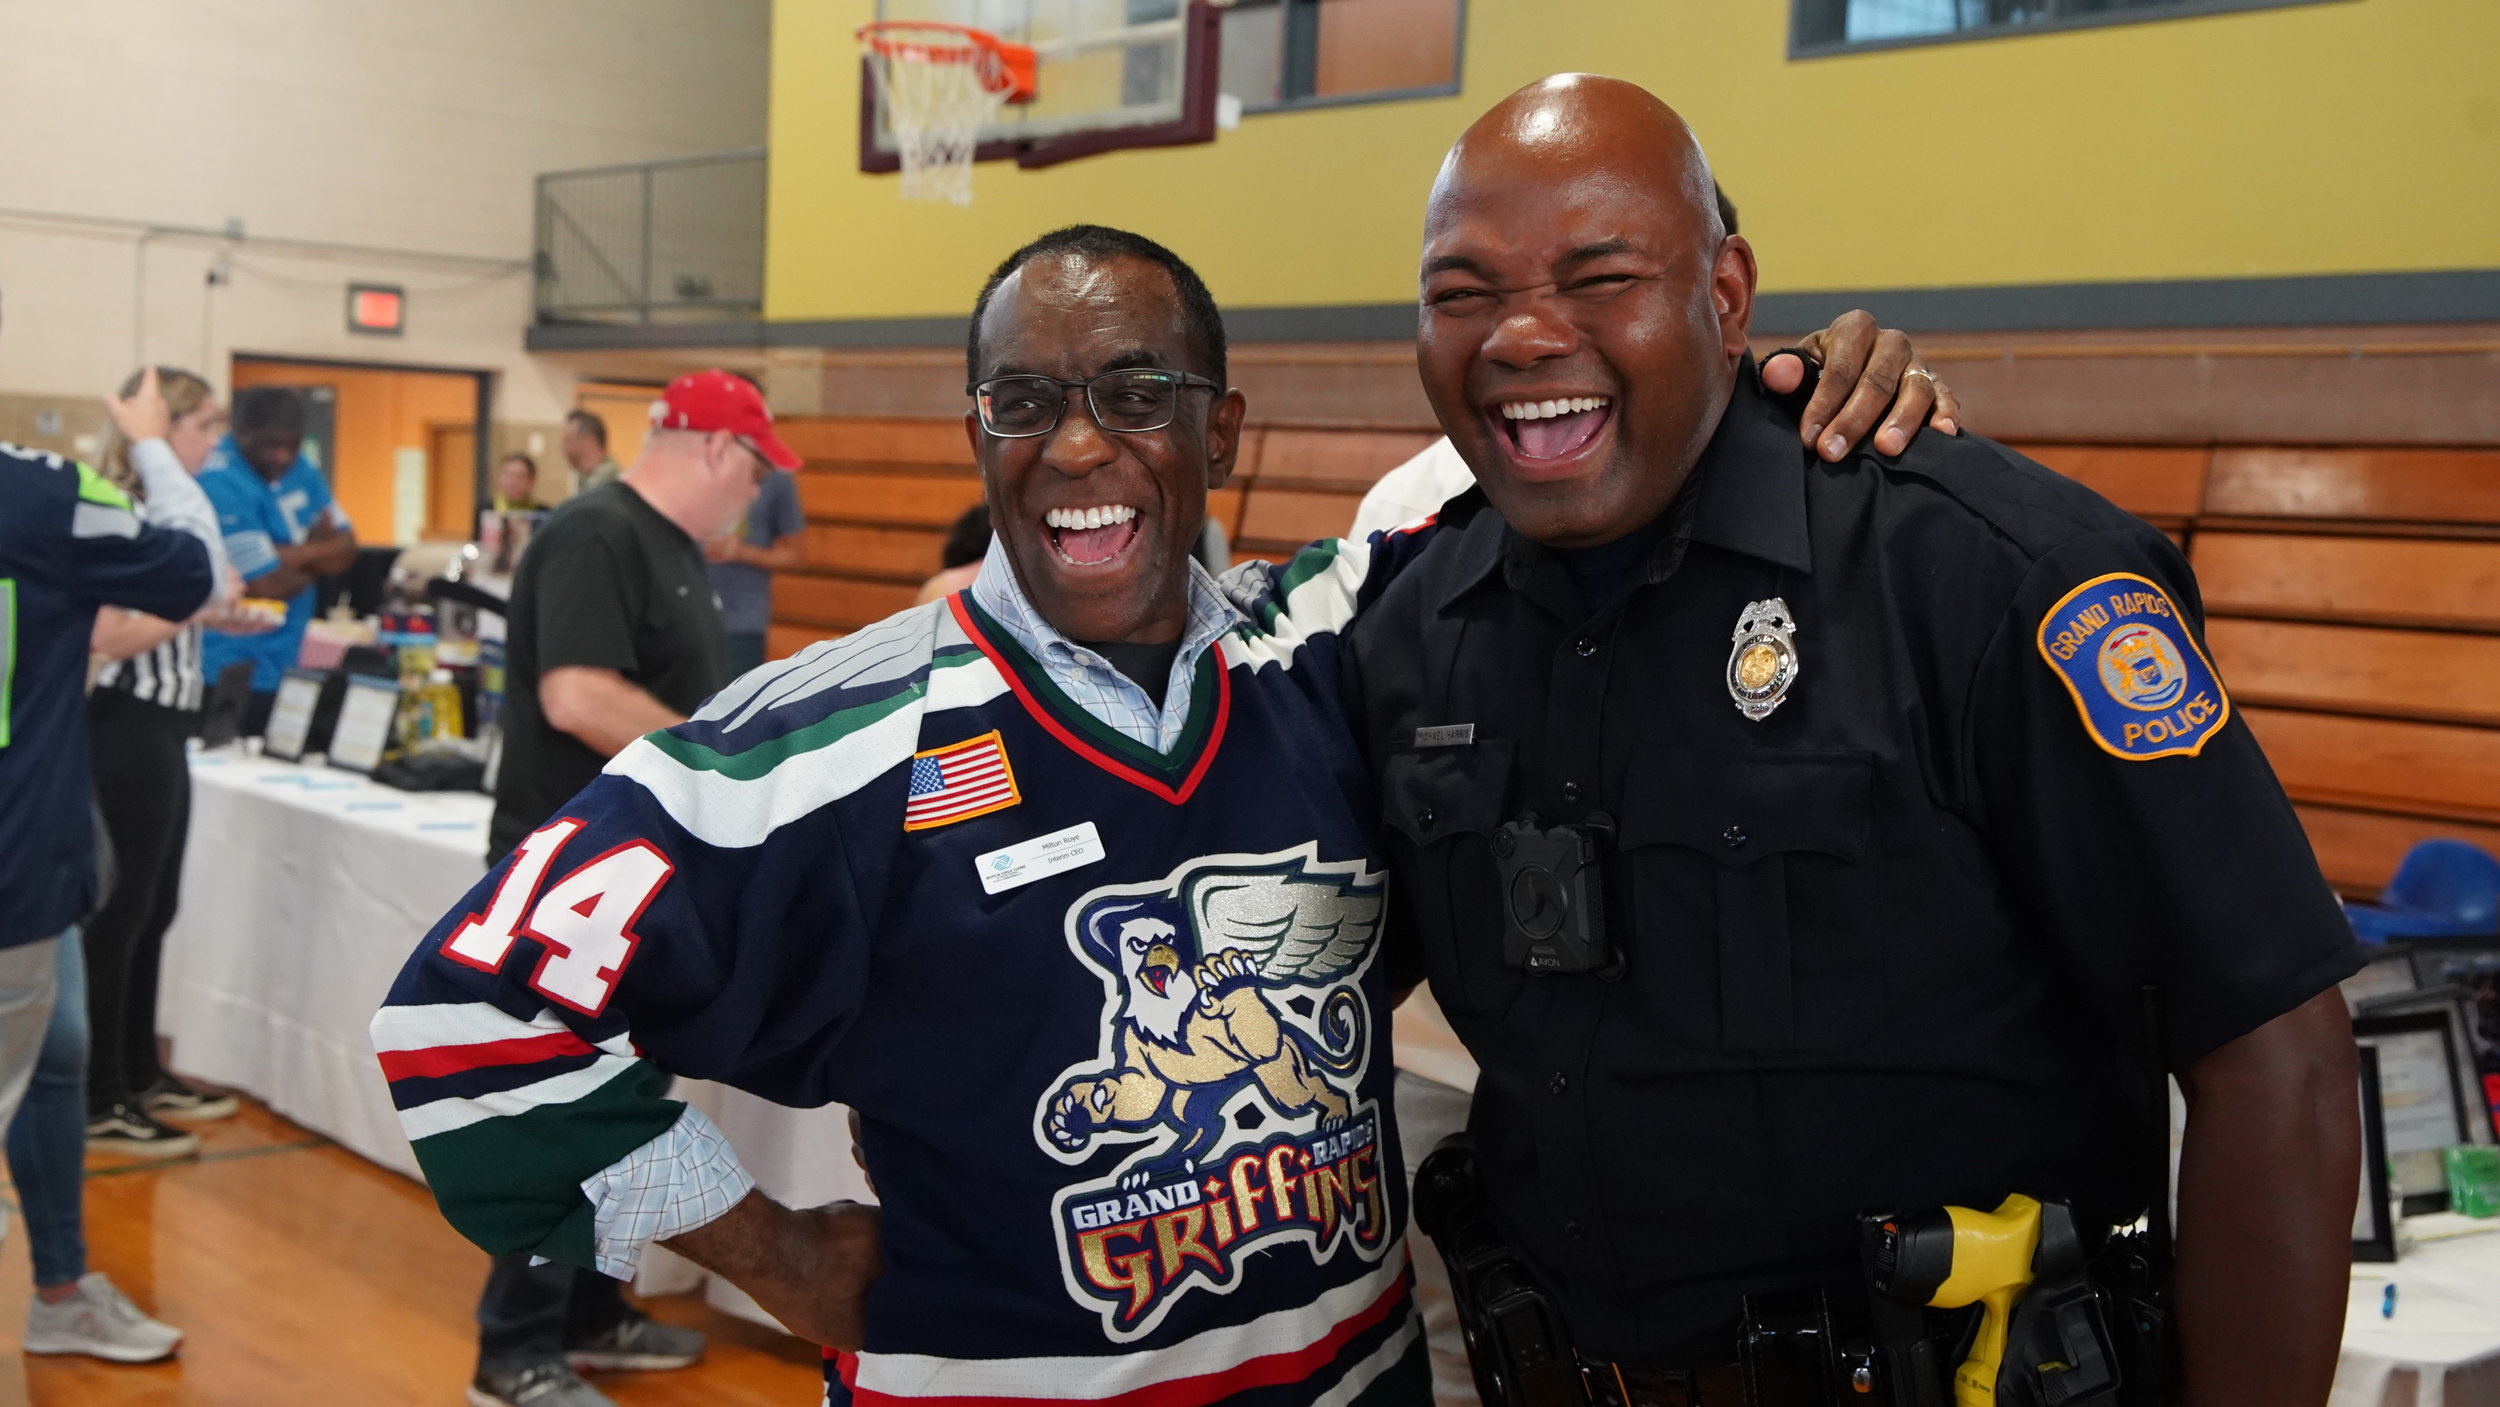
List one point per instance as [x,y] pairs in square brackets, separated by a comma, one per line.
[1039,858]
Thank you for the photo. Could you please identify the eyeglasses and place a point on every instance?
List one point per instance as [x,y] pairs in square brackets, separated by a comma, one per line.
[1130,402]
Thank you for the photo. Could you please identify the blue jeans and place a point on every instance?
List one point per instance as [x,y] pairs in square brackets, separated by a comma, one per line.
[48,1137]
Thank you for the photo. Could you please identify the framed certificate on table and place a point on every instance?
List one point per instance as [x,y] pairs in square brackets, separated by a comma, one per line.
[2373,1211]
[291,715]
[2422,1103]
[364,728]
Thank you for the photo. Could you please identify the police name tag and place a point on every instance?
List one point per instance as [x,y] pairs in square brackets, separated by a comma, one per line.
[1039,858]
[2138,677]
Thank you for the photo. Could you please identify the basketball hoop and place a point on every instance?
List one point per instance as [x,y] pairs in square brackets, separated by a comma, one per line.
[938,85]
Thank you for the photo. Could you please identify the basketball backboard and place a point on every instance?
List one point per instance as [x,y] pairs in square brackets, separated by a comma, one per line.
[1110,74]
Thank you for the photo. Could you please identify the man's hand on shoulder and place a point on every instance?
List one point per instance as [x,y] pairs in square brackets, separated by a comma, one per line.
[808,1267]
[1864,369]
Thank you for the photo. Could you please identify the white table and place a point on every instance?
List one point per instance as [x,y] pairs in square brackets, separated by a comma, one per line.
[304,890]
[2441,1348]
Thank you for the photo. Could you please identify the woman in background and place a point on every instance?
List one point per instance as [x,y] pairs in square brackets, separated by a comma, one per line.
[146,704]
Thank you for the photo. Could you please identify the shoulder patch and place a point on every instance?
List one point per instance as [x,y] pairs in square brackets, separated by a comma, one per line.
[2138,677]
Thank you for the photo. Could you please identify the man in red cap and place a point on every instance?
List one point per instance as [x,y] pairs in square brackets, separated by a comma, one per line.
[614,633]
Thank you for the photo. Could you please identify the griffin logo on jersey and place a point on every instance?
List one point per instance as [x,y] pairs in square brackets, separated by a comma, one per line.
[1235,1042]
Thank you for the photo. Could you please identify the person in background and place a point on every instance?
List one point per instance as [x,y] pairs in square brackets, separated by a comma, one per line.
[283,531]
[585,447]
[71,542]
[516,484]
[75,1310]
[614,634]
[145,704]
[769,539]
[959,561]
[163,426]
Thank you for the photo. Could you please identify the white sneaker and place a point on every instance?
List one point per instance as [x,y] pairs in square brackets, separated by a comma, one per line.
[99,1321]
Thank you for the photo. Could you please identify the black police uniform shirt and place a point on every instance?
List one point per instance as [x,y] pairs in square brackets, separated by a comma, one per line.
[607,583]
[1884,946]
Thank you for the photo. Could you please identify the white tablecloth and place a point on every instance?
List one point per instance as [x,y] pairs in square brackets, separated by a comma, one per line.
[2441,1348]
[304,890]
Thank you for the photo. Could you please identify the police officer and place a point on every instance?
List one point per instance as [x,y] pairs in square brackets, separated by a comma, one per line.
[1787,839]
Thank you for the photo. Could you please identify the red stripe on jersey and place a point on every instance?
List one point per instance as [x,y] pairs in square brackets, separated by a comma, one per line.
[1268,1370]
[444,1060]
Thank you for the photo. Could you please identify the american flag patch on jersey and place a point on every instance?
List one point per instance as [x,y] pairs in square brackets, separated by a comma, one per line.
[959,781]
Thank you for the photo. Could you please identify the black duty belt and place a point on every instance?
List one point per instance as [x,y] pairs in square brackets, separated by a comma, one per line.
[1721,1385]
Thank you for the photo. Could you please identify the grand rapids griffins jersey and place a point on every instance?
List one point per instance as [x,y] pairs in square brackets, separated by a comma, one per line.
[1122,1063]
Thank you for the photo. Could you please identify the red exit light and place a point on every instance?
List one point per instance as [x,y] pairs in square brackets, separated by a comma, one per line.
[374,307]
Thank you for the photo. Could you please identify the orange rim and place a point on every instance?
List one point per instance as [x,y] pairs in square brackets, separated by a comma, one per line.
[1018,65]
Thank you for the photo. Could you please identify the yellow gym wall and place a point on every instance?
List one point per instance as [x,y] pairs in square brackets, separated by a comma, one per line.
[2343,137]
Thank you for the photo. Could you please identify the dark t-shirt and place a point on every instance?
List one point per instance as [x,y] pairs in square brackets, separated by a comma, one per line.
[608,583]
[1149,667]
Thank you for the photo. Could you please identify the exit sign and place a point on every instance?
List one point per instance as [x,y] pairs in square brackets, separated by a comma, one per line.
[377,308]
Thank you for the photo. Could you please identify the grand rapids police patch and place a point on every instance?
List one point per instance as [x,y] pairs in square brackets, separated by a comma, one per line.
[2142,683]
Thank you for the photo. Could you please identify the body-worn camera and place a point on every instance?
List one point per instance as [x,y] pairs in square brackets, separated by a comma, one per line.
[1554,895]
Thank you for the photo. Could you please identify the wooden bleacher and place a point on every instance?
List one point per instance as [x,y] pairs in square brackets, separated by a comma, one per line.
[2352,601]
[2352,595]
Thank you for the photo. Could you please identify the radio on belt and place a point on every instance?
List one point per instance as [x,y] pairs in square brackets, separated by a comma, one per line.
[1554,895]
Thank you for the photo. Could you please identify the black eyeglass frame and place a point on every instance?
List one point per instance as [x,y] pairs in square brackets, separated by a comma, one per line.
[1184,381]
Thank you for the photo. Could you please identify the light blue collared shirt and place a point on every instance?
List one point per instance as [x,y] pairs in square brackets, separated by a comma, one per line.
[1094,683]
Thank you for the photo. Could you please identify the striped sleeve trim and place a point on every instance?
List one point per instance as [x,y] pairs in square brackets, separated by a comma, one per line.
[1312,595]
[508,1117]
[1286,1346]
[735,800]
[458,1064]
[449,1115]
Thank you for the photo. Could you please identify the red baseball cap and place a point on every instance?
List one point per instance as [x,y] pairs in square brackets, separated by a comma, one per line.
[716,400]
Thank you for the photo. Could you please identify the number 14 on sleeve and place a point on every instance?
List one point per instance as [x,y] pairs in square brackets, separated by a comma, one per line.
[584,922]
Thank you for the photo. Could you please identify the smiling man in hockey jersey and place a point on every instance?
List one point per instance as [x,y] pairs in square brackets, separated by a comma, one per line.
[1066,884]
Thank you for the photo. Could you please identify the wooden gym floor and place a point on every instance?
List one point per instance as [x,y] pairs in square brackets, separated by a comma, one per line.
[303,1274]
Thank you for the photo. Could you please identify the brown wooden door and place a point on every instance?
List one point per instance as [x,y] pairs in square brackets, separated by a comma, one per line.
[451,482]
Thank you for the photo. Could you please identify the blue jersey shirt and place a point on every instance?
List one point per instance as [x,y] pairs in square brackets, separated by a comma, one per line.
[69,542]
[258,517]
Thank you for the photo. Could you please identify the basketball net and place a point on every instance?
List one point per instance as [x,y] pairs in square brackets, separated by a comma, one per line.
[938,85]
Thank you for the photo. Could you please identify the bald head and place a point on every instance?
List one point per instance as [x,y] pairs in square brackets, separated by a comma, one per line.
[1577,127]
[1574,253]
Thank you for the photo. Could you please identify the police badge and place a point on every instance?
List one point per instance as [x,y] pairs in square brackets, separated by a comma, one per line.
[1762,663]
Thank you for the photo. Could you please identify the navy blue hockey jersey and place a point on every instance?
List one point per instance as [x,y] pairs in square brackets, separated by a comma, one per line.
[1115,1021]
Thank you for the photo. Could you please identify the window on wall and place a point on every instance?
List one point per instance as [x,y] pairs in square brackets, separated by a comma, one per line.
[1840,26]
[1281,54]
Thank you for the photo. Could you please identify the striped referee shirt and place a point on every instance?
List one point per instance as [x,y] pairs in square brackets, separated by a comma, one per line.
[170,674]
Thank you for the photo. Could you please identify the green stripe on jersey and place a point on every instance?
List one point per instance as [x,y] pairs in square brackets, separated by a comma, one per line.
[514,1183]
[755,762]
[1306,564]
